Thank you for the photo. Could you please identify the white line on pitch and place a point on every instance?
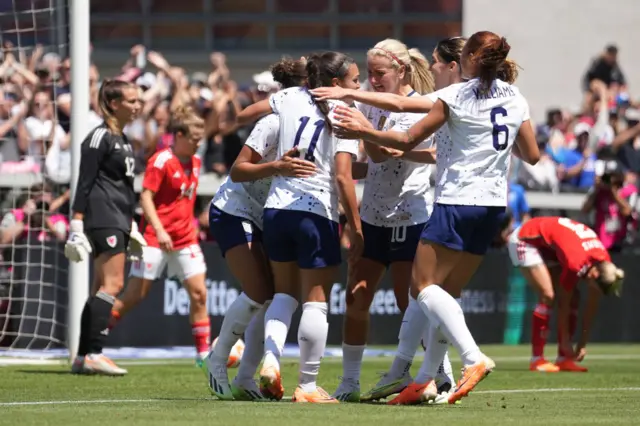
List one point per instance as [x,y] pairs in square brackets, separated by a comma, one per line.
[135,401]
[5,362]
[544,390]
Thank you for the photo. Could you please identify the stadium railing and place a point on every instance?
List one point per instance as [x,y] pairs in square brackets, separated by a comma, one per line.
[210,182]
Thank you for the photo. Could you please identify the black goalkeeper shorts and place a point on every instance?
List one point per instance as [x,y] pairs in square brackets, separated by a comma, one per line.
[107,240]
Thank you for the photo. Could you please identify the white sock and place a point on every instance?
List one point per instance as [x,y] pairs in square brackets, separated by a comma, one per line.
[312,338]
[254,346]
[414,322]
[445,371]
[352,361]
[234,324]
[437,346]
[277,320]
[445,313]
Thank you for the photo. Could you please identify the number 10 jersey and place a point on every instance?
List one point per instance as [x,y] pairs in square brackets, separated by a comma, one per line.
[303,125]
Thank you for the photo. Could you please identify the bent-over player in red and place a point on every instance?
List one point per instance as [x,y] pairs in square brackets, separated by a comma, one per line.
[167,200]
[557,252]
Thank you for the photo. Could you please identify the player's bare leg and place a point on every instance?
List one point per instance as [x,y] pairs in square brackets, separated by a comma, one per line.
[109,280]
[135,292]
[539,277]
[359,296]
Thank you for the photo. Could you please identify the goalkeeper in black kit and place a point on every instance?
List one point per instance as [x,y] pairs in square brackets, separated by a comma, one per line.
[102,222]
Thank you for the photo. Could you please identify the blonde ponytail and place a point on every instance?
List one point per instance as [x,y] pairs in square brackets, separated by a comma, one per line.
[422,79]
[417,70]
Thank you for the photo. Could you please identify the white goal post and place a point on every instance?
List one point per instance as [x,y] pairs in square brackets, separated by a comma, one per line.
[80,62]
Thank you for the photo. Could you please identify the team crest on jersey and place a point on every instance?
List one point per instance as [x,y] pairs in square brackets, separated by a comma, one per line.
[176,175]
[112,241]
[381,122]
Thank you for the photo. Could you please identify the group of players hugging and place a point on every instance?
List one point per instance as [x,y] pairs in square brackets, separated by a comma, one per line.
[276,220]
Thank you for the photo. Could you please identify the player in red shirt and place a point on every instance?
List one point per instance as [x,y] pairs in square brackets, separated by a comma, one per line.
[167,200]
[557,252]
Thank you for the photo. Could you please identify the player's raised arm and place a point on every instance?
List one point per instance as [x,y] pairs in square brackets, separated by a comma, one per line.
[352,128]
[423,156]
[254,112]
[387,101]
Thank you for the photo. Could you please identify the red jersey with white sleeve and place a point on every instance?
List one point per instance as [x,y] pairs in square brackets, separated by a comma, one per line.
[574,245]
[174,184]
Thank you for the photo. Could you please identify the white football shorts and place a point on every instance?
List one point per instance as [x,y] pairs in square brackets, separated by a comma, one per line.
[183,263]
[523,254]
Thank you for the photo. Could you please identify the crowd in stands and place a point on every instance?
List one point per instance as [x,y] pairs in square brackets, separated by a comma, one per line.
[595,150]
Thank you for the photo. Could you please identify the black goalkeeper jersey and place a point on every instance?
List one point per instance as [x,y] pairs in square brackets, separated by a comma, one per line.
[105,192]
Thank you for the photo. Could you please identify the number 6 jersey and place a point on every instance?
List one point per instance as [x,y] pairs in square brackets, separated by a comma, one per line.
[472,166]
[303,125]
[174,184]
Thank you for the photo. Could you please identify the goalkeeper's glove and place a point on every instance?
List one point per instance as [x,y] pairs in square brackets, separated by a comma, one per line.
[136,243]
[77,247]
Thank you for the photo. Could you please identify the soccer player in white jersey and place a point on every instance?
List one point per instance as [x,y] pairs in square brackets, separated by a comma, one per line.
[446,71]
[395,205]
[484,116]
[235,218]
[301,225]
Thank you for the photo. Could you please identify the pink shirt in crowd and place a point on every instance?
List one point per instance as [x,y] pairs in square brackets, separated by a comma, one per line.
[59,222]
[610,225]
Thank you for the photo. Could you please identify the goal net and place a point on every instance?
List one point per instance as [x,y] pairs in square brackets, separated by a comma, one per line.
[35,170]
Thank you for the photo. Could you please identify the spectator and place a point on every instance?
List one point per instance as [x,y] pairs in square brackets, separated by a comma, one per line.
[613,200]
[577,167]
[47,139]
[13,135]
[606,69]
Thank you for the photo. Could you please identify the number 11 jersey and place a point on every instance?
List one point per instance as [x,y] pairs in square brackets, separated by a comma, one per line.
[303,125]
[472,166]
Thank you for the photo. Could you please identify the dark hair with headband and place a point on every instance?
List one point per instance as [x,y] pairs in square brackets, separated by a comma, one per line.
[321,70]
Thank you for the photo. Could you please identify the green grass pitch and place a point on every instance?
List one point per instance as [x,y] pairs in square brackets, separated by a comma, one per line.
[175,393]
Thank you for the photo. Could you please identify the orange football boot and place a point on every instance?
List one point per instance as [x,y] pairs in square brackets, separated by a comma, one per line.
[271,383]
[543,366]
[416,393]
[471,376]
[319,396]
